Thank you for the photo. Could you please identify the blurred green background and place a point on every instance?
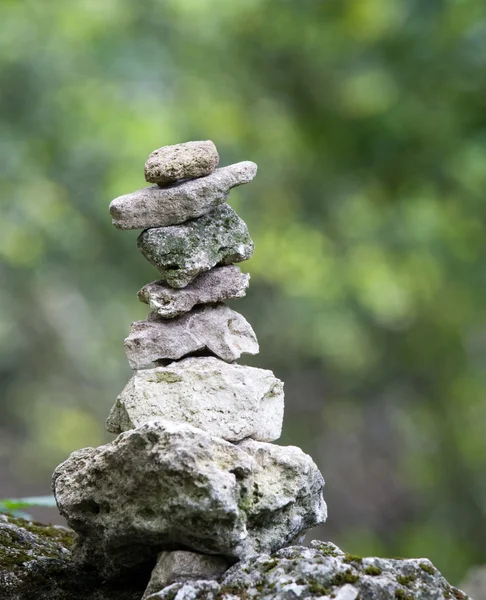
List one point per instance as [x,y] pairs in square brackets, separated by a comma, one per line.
[367,119]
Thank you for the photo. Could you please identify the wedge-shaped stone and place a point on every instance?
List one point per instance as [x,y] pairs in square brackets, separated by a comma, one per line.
[214,328]
[159,207]
[181,252]
[181,565]
[181,161]
[230,401]
[167,486]
[220,283]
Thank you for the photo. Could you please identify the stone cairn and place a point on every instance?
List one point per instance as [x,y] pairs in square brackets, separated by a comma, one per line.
[192,483]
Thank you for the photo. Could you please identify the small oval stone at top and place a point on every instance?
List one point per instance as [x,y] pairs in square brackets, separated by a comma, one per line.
[181,161]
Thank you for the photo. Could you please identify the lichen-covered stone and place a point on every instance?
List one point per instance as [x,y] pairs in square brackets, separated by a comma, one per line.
[36,563]
[159,207]
[323,572]
[168,485]
[230,401]
[181,161]
[220,283]
[214,328]
[181,565]
[181,252]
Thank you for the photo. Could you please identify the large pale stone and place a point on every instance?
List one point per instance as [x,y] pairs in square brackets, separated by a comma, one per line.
[181,161]
[159,207]
[220,283]
[212,328]
[181,252]
[322,572]
[168,486]
[230,401]
[182,565]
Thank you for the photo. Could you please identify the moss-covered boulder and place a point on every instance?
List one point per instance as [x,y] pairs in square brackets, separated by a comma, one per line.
[322,571]
[36,564]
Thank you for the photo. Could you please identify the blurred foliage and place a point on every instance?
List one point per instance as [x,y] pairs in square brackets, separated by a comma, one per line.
[16,506]
[368,121]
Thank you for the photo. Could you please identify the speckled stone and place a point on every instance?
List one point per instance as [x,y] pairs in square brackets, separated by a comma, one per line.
[160,207]
[181,161]
[220,283]
[182,252]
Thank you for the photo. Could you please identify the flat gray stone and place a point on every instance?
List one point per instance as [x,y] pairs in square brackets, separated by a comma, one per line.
[214,328]
[322,572]
[160,207]
[182,252]
[220,283]
[167,485]
[181,161]
[230,401]
[181,565]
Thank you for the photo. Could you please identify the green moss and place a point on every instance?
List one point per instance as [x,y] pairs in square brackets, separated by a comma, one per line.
[326,550]
[406,580]
[317,588]
[350,558]
[401,594]
[457,594]
[372,570]
[427,568]
[269,565]
[343,578]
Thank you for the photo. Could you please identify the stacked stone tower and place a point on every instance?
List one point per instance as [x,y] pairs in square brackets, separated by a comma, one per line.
[192,483]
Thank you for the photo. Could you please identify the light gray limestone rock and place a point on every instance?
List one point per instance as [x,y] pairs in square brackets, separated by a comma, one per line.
[323,572]
[167,486]
[212,327]
[220,283]
[181,161]
[181,252]
[159,207]
[181,565]
[230,401]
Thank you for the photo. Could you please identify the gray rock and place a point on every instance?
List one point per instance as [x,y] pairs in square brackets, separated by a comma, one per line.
[323,572]
[167,486]
[230,401]
[181,252]
[182,565]
[181,161]
[159,207]
[220,283]
[213,327]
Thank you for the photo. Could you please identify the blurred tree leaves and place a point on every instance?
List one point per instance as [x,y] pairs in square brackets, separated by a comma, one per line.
[368,121]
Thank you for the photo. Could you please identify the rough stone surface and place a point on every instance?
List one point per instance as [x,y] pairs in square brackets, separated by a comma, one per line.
[159,207]
[220,283]
[230,401]
[167,486]
[180,566]
[181,161]
[214,328]
[36,563]
[321,571]
[181,252]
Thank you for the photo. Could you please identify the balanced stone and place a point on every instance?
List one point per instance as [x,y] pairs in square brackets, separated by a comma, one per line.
[212,328]
[181,161]
[181,565]
[230,401]
[220,283]
[167,486]
[181,252]
[159,207]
